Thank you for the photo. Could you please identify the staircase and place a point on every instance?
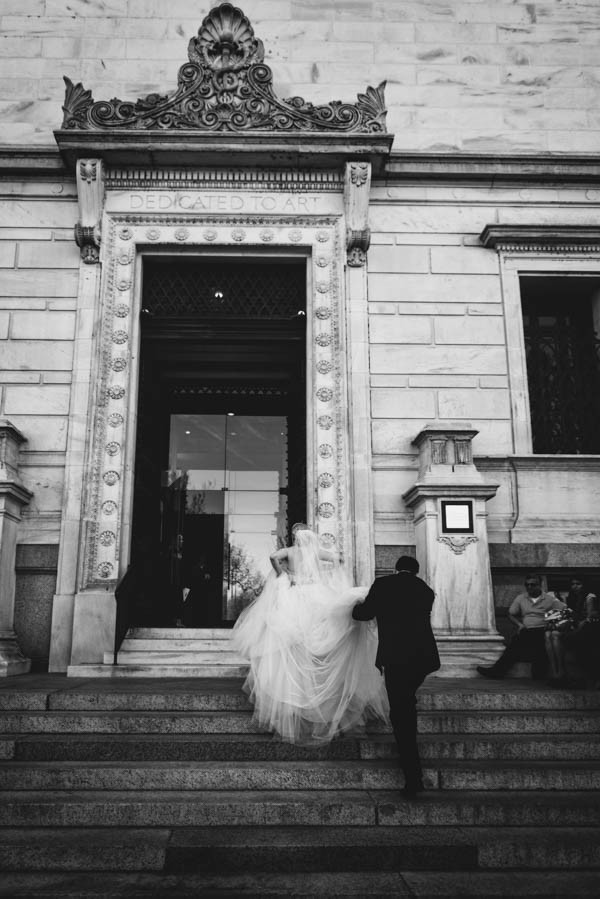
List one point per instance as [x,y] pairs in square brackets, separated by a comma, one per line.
[149,788]
[170,652]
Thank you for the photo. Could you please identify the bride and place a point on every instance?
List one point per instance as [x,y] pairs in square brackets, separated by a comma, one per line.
[312,668]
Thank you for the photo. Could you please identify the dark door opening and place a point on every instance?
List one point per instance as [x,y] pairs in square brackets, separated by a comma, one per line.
[221,441]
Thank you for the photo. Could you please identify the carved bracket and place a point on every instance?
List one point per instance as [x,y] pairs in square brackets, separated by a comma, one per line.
[356,203]
[90,195]
[458,544]
[225,86]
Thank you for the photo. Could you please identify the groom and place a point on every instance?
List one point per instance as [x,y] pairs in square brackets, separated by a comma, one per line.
[407,653]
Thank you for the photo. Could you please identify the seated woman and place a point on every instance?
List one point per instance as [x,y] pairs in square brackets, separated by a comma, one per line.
[584,642]
[560,626]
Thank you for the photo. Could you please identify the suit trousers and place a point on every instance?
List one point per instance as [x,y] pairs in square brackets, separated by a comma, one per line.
[402,683]
[527,645]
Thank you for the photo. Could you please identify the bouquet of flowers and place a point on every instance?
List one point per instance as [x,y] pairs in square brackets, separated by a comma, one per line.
[559,619]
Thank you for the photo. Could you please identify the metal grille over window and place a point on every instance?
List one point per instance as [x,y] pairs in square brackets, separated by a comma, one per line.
[563,363]
[224,289]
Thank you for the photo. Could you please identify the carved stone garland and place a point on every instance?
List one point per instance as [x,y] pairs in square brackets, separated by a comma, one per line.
[105,500]
[225,86]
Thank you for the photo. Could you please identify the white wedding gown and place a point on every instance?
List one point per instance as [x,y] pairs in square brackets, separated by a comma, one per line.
[312,667]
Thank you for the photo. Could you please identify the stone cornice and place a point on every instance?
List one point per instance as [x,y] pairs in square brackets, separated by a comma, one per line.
[449,167]
[187,148]
[488,167]
[542,239]
[538,463]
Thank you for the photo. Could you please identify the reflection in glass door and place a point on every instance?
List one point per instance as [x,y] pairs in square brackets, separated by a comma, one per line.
[223,511]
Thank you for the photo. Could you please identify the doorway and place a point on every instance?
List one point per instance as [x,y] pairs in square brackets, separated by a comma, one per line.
[220,472]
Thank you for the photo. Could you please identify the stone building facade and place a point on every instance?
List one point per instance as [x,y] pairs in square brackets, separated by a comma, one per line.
[446,236]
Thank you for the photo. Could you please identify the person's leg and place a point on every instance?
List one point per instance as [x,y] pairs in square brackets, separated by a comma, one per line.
[555,654]
[534,650]
[401,684]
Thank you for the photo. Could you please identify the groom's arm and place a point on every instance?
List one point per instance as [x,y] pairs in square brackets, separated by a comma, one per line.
[364,611]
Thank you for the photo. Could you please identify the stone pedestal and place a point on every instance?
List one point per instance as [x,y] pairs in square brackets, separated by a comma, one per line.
[454,555]
[13,496]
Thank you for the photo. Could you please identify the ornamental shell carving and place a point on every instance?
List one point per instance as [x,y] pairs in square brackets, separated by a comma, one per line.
[226,40]
[325,394]
[120,337]
[322,286]
[182,234]
[122,310]
[322,261]
[111,478]
[326,479]
[322,236]
[326,451]
[324,366]
[116,392]
[328,539]
[325,422]
[323,312]
[105,569]
[209,234]
[323,339]
[109,507]
[125,257]
[326,510]
[113,448]
[153,234]
[119,364]
[238,234]
[124,284]
[115,420]
[107,538]
[125,233]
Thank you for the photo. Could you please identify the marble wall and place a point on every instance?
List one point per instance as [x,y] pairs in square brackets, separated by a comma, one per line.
[439,352]
[471,75]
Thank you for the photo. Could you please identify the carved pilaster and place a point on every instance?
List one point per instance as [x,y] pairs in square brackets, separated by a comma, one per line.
[90,194]
[357,184]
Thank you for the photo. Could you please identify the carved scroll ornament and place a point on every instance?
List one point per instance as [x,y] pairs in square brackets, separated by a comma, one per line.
[225,86]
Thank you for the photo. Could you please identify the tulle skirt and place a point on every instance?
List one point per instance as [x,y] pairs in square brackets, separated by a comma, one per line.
[312,667]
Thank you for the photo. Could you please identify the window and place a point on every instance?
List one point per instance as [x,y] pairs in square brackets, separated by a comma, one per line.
[561,318]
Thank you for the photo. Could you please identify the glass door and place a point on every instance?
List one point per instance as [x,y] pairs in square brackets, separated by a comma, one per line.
[223,511]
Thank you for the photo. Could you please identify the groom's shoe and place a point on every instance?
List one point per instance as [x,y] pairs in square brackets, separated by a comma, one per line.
[411,791]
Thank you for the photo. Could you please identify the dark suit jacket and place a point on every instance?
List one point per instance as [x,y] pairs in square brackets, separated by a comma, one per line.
[402,605]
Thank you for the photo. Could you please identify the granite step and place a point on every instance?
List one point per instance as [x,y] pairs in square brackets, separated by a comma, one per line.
[216,694]
[70,808]
[321,775]
[173,658]
[299,849]
[337,885]
[206,670]
[263,747]
[381,848]
[434,722]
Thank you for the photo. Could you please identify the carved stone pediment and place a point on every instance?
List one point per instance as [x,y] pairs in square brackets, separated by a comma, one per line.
[225,87]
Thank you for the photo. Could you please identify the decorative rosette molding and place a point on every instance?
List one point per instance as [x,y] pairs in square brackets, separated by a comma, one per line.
[225,86]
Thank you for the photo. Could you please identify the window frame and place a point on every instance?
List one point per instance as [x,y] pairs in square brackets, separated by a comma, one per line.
[515,264]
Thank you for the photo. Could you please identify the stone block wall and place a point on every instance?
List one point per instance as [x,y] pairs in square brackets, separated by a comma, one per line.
[471,75]
[39,270]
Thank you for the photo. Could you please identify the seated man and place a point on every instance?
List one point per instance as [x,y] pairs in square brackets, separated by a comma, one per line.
[528,612]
